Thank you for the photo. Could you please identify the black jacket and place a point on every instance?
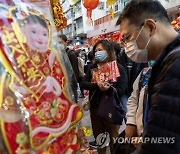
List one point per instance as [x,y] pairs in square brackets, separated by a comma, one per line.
[95,93]
[74,63]
[164,102]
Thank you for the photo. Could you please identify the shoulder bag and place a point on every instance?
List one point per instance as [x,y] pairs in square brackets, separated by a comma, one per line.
[111,109]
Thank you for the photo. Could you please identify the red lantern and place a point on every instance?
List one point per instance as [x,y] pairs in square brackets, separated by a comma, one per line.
[90,5]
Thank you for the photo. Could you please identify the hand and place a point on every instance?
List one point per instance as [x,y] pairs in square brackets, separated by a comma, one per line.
[103,86]
[10,116]
[52,85]
[131,131]
[19,89]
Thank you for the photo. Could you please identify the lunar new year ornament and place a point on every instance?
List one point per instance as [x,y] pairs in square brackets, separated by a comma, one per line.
[35,113]
[110,3]
[90,5]
[59,18]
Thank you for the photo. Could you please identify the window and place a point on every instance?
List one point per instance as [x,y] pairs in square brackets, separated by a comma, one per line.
[101,6]
[79,23]
[72,14]
[69,28]
[78,7]
[116,8]
[68,15]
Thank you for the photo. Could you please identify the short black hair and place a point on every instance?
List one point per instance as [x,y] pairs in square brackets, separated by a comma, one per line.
[108,47]
[117,47]
[136,11]
[90,56]
[63,37]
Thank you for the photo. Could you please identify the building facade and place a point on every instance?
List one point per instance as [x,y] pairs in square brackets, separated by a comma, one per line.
[77,28]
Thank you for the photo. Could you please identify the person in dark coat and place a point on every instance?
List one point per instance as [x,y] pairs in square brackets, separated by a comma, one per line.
[90,62]
[74,64]
[132,68]
[148,35]
[103,53]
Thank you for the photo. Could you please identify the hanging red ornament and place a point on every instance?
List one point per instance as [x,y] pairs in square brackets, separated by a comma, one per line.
[90,5]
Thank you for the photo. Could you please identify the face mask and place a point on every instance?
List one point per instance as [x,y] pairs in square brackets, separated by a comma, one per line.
[136,54]
[101,55]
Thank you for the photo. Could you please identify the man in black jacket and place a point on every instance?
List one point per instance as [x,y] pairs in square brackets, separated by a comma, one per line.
[147,35]
[74,64]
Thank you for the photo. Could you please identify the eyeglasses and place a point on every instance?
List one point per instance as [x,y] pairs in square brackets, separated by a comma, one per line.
[125,39]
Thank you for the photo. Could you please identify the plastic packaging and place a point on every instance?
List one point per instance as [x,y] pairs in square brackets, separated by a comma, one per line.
[37,113]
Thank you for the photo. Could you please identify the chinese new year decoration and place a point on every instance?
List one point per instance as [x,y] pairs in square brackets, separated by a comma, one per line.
[111,12]
[114,37]
[59,18]
[176,23]
[37,113]
[110,3]
[90,5]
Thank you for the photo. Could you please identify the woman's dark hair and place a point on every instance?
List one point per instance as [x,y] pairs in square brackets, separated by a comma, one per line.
[136,11]
[90,56]
[108,47]
[117,48]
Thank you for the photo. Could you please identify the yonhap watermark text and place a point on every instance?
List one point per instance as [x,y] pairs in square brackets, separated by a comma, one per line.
[150,140]
[103,140]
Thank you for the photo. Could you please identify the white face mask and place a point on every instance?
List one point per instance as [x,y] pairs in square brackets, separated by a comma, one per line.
[136,54]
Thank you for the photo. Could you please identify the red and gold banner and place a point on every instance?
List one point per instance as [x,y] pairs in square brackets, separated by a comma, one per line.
[36,113]
[59,18]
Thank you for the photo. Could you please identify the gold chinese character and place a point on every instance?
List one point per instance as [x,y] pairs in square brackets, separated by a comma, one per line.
[36,58]
[21,60]
[32,74]
[8,37]
[16,48]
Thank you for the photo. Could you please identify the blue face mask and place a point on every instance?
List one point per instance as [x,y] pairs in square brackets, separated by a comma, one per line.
[101,55]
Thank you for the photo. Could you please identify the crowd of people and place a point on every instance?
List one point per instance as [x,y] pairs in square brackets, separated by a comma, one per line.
[148,59]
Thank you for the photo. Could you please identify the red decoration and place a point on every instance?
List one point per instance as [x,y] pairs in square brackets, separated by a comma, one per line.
[176,23]
[90,5]
[178,19]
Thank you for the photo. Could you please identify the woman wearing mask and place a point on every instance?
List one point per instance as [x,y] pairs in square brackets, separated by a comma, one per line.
[103,53]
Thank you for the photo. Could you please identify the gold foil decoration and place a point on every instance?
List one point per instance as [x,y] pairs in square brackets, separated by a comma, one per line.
[110,2]
[60,20]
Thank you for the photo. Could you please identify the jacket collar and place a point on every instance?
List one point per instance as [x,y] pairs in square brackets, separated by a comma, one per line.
[155,69]
[169,48]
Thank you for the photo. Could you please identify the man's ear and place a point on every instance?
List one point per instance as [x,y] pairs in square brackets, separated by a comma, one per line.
[152,25]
